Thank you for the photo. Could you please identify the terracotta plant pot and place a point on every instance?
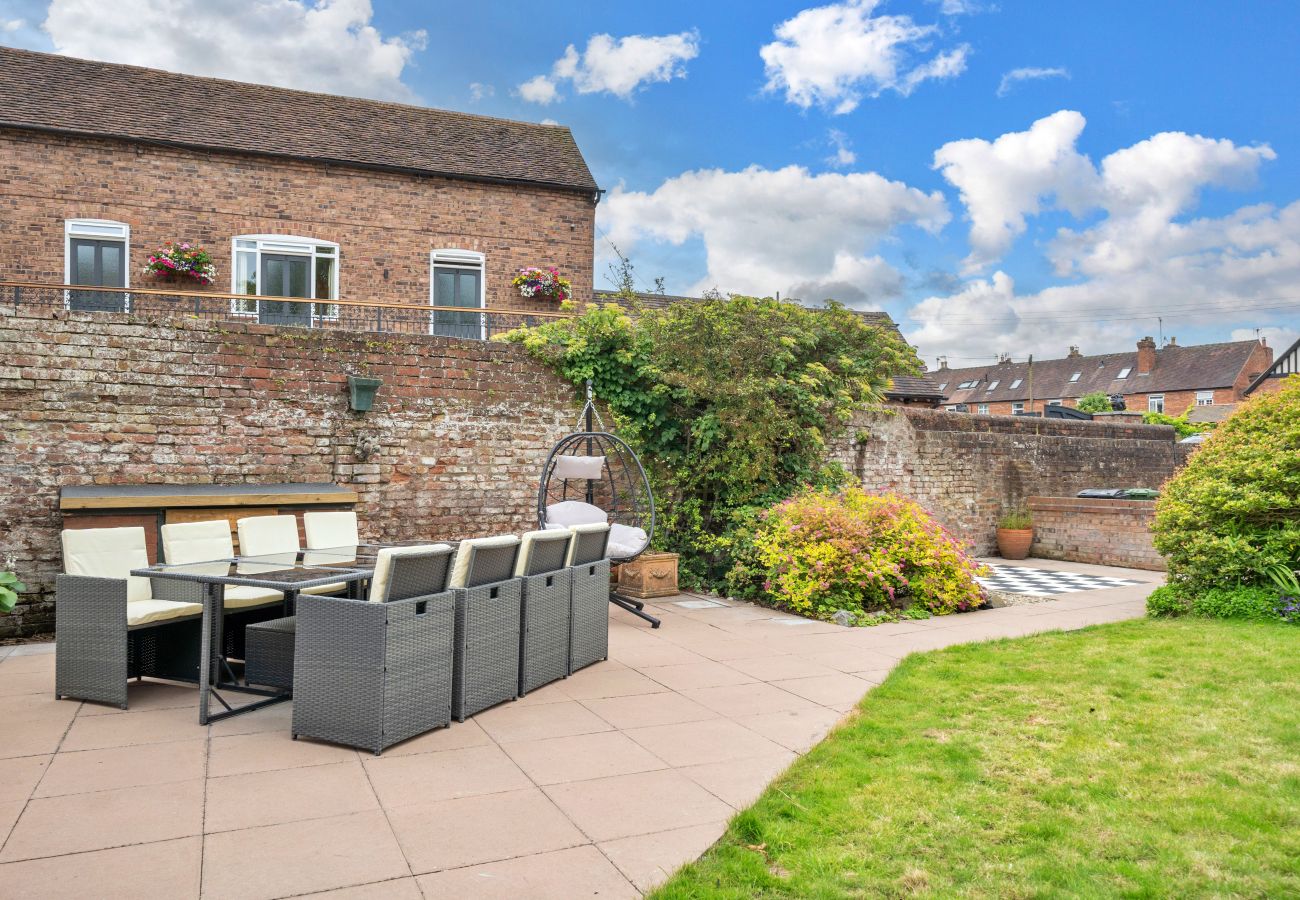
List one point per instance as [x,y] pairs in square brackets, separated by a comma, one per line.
[1013,543]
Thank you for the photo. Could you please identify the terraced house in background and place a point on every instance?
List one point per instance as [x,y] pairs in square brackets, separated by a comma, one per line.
[294,194]
[1172,379]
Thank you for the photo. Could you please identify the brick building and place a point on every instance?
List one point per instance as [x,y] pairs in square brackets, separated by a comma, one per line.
[293,193]
[1283,367]
[1172,379]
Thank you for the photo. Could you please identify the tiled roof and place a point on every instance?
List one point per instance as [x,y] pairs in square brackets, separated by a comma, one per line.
[59,93]
[1286,364]
[1198,367]
[915,387]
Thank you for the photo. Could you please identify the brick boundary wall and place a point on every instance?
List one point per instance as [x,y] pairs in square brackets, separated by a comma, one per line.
[460,429]
[1106,532]
[967,470]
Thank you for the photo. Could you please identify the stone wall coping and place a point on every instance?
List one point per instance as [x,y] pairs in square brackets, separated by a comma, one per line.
[943,420]
[1091,505]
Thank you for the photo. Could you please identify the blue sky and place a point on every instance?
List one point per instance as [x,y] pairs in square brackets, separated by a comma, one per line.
[793,147]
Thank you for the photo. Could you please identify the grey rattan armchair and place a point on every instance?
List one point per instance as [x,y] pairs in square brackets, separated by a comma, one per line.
[486,661]
[111,627]
[589,597]
[373,673]
[544,620]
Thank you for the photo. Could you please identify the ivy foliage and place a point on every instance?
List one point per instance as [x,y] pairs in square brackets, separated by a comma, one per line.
[1232,513]
[729,401]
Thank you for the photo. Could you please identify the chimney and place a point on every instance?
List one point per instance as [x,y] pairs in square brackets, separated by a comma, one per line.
[1004,359]
[1074,353]
[1146,355]
[943,364]
[1172,342]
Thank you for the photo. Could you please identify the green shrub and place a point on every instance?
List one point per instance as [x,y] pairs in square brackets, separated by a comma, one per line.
[1016,519]
[1095,402]
[823,551]
[1166,602]
[1237,603]
[1180,424]
[1233,512]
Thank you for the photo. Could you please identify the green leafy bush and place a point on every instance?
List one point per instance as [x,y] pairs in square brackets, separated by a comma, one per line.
[1180,424]
[1233,512]
[729,401]
[10,588]
[823,551]
[1095,402]
[1238,602]
[1166,602]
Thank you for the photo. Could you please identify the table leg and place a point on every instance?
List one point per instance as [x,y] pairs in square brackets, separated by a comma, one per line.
[205,651]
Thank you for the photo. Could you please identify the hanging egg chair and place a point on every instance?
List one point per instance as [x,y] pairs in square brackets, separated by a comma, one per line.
[593,476]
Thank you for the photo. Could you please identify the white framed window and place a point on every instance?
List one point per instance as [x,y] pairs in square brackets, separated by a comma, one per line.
[1156,403]
[992,385]
[1123,373]
[1053,402]
[1075,377]
[1205,398]
[457,279]
[982,409]
[952,408]
[97,252]
[1017,408]
[944,386]
[967,384]
[1015,384]
[273,265]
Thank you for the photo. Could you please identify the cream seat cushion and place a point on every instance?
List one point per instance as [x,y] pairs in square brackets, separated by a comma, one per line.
[192,542]
[384,566]
[578,530]
[574,512]
[108,553]
[587,467]
[330,529]
[625,540]
[528,541]
[147,612]
[460,571]
[263,535]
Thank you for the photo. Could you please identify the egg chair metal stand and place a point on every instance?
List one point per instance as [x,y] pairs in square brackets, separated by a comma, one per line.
[616,486]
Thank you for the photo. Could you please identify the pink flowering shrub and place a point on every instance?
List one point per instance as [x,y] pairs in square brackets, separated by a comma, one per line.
[823,551]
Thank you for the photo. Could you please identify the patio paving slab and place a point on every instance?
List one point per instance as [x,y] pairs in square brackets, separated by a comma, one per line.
[603,782]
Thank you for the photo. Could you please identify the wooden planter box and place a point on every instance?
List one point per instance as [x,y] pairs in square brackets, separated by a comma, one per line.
[649,575]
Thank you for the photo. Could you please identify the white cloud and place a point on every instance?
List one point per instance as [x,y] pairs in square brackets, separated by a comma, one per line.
[834,56]
[959,7]
[9,26]
[843,155]
[480,91]
[783,230]
[617,66]
[1279,338]
[1141,259]
[327,46]
[1029,73]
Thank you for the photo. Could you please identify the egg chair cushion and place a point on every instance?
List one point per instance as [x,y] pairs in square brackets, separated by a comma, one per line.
[578,467]
[625,540]
[574,512]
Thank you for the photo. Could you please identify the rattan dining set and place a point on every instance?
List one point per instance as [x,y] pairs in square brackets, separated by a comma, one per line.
[374,643]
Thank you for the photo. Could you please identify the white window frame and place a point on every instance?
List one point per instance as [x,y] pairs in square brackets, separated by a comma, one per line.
[1156,403]
[455,258]
[944,386]
[98,230]
[1017,407]
[982,409]
[1123,373]
[286,245]
[992,385]
[951,407]
[1015,384]
[1055,403]
[1075,377]
[1205,398]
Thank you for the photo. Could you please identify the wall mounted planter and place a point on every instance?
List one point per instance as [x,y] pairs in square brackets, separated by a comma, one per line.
[362,392]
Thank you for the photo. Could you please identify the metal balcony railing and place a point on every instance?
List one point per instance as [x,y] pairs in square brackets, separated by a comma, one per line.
[477,324]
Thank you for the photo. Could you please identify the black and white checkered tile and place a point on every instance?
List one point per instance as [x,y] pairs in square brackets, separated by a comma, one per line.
[1025,580]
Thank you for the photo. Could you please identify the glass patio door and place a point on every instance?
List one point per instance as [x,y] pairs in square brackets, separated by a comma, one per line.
[285,276]
[458,287]
[101,264]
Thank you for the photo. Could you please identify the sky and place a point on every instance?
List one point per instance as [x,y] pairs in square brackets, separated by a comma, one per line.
[1001,176]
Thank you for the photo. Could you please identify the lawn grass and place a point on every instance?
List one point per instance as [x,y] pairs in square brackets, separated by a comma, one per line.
[1147,758]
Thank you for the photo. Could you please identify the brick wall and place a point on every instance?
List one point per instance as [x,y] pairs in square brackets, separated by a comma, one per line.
[1106,532]
[460,428]
[968,469]
[385,223]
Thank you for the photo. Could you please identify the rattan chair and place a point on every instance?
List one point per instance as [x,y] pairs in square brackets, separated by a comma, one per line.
[589,596]
[486,661]
[110,626]
[371,674]
[196,542]
[546,584]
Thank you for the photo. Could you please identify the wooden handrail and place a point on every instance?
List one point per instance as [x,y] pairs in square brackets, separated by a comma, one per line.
[212,295]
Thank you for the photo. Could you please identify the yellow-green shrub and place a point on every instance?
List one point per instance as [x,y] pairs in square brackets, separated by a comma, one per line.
[822,551]
[1234,509]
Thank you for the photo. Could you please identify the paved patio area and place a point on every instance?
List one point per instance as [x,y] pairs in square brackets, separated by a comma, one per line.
[600,784]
